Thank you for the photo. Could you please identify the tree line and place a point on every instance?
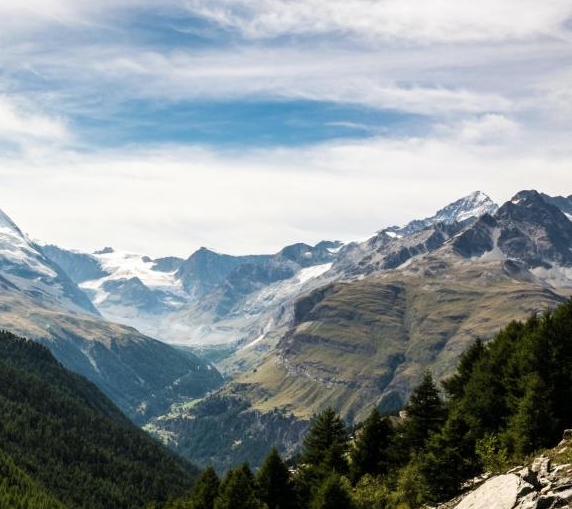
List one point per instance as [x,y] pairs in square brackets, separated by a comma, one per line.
[508,398]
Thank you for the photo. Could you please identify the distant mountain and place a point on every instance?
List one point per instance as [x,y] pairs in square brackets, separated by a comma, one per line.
[205,269]
[190,301]
[23,265]
[391,307]
[528,228]
[465,209]
[564,204]
[37,299]
[64,444]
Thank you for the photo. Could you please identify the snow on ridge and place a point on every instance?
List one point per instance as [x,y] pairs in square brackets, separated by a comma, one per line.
[123,265]
[305,275]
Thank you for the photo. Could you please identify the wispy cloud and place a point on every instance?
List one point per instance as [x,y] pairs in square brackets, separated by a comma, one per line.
[171,200]
[418,21]
[21,122]
[488,81]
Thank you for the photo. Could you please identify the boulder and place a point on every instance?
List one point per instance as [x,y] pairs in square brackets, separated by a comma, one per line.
[500,492]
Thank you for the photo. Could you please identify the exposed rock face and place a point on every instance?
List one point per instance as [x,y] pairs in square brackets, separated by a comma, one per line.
[542,485]
[500,492]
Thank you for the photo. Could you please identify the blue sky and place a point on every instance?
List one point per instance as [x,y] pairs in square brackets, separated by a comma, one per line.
[244,126]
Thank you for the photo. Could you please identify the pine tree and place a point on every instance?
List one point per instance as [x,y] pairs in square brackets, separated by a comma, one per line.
[332,494]
[425,414]
[274,485]
[455,385]
[205,491]
[237,491]
[533,425]
[369,453]
[327,442]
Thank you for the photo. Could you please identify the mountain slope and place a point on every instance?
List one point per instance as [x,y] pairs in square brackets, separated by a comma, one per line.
[39,301]
[23,264]
[17,489]
[365,337]
[61,431]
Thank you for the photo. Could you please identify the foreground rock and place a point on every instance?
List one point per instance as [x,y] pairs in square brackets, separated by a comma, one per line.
[545,484]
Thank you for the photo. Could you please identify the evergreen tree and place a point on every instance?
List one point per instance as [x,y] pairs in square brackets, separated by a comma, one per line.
[274,485]
[454,385]
[369,455]
[332,494]
[237,491]
[533,425]
[205,491]
[326,443]
[425,414]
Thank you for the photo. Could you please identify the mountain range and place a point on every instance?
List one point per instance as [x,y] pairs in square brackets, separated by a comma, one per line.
[40,301]
[349,325]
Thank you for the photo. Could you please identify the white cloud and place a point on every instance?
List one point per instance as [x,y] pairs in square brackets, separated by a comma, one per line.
[489,128]
[414,20]
[333,76]
[173,199]
[20,121]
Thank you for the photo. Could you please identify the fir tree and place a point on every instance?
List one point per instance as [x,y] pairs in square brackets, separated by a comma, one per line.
[425,413]
[237,491]
[369,455]
[332,494]
[274,485]
[327,442]
[205,491]
[454,385]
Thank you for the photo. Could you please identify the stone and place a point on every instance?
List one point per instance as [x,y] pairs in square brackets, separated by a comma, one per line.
[500,492]
[541,466]
[567,436]
[527,475]
[547,502]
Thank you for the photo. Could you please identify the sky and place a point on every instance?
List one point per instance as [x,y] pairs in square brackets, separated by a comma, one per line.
[159,126]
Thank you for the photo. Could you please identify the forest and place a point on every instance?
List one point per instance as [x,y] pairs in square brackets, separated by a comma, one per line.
[508,398]
[63,444]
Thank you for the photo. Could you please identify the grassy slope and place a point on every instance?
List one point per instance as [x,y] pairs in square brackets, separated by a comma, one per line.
[369,341]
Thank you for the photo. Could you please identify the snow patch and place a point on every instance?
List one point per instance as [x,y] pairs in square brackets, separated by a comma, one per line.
[312,272]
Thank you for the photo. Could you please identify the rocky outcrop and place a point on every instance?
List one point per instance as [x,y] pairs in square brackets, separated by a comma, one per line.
[545,484]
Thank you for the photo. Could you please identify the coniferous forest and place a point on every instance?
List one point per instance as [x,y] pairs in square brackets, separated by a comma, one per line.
[64,444]
[509,398]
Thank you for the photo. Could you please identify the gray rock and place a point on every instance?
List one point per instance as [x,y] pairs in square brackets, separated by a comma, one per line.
[541,466]
[500,492]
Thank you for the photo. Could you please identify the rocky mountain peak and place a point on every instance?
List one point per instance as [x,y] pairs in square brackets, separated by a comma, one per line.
[465,209]
[6,222]
[473,205]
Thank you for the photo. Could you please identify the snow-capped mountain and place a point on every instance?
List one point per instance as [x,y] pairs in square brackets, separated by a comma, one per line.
[213,298]
[23,265]
[528,229]
[39,301]
[465,209]
[393,246]
[191,301]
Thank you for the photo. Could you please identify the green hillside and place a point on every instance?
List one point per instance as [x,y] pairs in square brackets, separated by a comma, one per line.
[60,433]
[18,490]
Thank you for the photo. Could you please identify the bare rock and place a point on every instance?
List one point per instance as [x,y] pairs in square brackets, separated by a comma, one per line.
[541,466]
[500,492]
